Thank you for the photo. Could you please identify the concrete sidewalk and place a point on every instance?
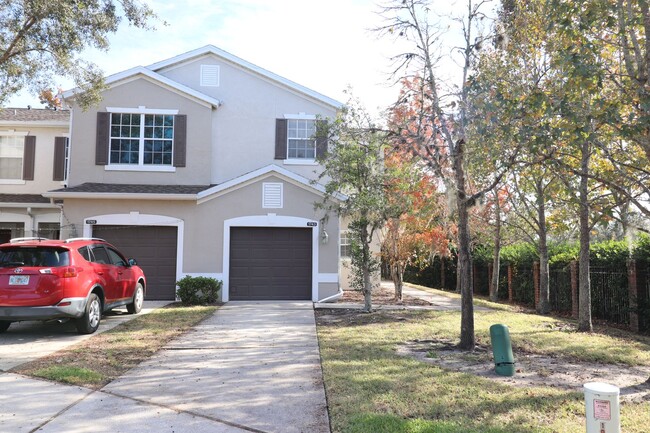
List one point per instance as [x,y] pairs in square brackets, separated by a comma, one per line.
[251,367]
[438,302]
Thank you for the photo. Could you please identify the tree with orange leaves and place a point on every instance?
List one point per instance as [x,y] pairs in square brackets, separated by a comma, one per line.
[419,229]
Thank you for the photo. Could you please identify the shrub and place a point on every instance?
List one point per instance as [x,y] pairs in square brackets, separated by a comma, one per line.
[198,290]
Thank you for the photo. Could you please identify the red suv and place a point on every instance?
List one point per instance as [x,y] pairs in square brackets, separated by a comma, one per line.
[76,279]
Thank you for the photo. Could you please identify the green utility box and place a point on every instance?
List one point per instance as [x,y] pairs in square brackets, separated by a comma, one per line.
[502,350]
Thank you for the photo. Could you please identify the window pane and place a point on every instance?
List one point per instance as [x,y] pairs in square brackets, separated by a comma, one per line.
[11,156]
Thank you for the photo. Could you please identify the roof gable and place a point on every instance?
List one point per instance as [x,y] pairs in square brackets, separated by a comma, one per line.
[139,71]
[254,176]
[250,67]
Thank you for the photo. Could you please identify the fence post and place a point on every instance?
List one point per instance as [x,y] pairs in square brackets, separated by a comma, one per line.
[443,283]
[490,270]
[510,296]
[474,277]
[574,289]
[633,293]
[536,282]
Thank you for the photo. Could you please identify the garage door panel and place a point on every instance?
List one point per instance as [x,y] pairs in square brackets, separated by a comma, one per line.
[270,263]
[154,248]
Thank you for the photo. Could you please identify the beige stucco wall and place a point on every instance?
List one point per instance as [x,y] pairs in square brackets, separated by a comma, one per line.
[142,92]
[244,126]
[203,224]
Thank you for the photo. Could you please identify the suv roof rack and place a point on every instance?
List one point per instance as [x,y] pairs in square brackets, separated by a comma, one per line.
[83,239]
[27,239]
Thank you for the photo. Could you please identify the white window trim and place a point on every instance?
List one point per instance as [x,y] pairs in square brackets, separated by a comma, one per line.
[12,182]
[300,116]
[297,161]
[140,110]
[140,166]
[134,167]
[13,132]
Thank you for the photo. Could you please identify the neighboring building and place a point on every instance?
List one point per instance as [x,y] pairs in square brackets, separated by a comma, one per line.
[204,164]
[33,157]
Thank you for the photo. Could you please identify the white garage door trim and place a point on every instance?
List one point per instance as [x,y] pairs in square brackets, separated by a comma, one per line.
[270,220]
[138,219]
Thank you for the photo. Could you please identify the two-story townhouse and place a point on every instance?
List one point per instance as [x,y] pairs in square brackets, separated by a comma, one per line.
[204,164]
[33,158]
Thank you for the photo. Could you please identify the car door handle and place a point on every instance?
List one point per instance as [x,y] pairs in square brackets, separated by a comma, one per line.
[100,273]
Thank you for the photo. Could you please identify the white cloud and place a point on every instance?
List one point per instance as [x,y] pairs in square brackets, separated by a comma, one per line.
[324,45]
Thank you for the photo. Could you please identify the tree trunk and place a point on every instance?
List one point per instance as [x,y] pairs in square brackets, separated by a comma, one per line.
[496,260]
[467,338]
[396,267]
[367,283]
[544,306]
[458,271]
[397,275]
[584,284]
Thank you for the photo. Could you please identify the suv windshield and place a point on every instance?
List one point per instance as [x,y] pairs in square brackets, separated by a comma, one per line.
[34,256]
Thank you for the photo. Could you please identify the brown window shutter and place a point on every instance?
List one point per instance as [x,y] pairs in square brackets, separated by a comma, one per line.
[28,157]
[180,140]
[321,139]
[103,135]
[280,138]
[59,158]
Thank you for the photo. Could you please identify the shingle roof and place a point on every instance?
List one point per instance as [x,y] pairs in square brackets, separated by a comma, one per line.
[23,198]
[114,188]
[33,114]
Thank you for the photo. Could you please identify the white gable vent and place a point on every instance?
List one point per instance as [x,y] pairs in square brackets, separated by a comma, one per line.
[210,75]
[271,195]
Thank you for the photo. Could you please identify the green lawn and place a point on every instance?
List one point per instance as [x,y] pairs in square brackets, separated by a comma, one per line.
[372,389]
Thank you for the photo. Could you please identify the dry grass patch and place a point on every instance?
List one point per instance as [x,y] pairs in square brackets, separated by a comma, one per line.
[102,358]
[372,387]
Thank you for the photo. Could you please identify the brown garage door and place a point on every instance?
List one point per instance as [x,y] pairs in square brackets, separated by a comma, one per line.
[270,263]
[154,248]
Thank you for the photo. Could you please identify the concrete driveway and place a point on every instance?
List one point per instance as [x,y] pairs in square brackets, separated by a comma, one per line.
[26,341]
[251,367]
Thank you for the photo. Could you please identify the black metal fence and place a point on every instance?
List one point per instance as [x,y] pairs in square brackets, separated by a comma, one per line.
[560,289]
[610,290]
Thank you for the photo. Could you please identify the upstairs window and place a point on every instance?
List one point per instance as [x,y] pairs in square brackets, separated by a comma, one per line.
[141,139]
[297,140]
[17,156]
[301,143]
[11,156]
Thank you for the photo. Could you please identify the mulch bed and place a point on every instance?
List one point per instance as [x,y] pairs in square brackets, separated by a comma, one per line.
[381,296]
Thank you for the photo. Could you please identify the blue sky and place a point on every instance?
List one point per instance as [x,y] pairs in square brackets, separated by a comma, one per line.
[324,45]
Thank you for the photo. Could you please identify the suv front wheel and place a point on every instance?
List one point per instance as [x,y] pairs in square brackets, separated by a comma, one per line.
[138,298]
[89,322]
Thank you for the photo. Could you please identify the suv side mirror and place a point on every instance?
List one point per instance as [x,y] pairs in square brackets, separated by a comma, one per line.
[132,262]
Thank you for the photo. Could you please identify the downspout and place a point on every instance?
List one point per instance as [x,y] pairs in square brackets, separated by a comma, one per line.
[333,298]
[33,220]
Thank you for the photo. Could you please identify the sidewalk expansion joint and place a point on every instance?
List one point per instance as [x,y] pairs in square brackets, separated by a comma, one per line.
[189,412]
[62,411]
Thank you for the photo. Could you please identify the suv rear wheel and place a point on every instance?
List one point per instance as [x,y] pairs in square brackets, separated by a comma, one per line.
[89,322]
[4,325]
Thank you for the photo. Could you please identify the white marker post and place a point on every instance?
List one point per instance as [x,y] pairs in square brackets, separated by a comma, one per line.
[602,408]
